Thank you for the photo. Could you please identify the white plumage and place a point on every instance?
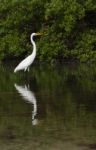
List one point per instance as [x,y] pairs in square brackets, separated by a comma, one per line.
[25,64]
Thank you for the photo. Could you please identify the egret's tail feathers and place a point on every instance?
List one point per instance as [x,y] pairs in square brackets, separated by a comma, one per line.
[15,70]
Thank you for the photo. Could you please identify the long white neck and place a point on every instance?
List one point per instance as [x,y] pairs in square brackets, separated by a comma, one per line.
[34,45]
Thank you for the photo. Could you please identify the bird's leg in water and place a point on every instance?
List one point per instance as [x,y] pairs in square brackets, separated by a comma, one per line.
[25,69]
[28,69]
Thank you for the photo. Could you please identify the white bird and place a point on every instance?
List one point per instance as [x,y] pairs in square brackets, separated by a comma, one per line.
[25,64]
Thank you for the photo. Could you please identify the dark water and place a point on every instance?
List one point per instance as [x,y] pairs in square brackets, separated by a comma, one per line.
[49,108]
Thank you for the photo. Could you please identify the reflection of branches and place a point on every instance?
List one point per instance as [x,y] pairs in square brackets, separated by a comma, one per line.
[29,97]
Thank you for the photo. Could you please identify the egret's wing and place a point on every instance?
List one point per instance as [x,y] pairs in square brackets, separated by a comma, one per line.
[24,63]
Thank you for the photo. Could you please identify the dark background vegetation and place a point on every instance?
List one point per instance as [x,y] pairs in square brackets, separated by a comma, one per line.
[69,28]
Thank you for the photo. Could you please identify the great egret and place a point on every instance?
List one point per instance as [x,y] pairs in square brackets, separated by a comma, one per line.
[25,64]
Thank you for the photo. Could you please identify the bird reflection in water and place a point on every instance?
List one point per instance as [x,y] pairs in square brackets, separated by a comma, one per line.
[29,97]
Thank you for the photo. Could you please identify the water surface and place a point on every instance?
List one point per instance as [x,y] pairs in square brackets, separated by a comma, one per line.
[49,108]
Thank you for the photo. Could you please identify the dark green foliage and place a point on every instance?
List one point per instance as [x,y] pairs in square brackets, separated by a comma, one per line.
[69,28]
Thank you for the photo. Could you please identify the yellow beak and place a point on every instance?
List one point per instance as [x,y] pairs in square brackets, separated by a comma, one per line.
[38,33]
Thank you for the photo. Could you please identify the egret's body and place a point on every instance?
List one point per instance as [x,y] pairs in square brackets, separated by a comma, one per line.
[25,64]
